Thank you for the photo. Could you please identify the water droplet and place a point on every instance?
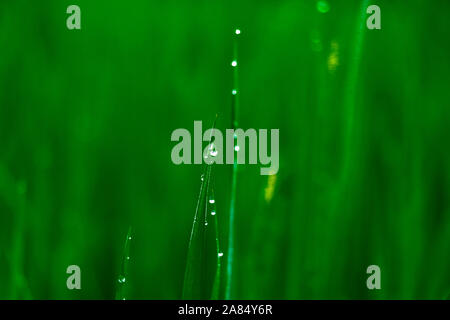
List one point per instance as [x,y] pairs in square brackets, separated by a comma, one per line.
[206,223]
[128,258]
[212,150]
[202,177]
[238,31]
[220,254]
[211,201]
[213,213]
[236,148]
[323,6]
[122,280]
[234,63]
[234,92]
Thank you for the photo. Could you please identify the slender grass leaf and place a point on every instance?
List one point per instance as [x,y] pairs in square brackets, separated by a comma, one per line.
[122,280]
[202,275]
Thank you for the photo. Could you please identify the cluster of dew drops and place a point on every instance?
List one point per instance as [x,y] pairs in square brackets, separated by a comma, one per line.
[212,151]
[123,279]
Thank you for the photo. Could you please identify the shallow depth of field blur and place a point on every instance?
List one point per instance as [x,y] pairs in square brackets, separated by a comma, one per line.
[85,124]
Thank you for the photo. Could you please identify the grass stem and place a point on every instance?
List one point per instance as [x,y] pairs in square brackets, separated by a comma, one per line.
[234,122]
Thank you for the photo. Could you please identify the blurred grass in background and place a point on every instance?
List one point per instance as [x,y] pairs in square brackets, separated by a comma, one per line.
[85,124]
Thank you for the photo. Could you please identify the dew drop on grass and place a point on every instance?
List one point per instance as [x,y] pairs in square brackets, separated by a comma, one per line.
[206,223]
[211,201]
[234,92]
[220,254]
[236,148]
[234,63]
[212,150]
[122,280]
[323,6]
[238,31]
[213,213]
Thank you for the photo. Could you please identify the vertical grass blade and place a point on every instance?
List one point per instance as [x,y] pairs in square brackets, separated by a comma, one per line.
[234,122]
[202,275]
[15,198]
[350,90]
[216,286]
[122,280]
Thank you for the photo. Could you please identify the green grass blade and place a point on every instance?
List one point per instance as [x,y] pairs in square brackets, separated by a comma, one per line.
[216,287]
[351,88]
[15,198]
[122,280]
[234,121]
[203,260]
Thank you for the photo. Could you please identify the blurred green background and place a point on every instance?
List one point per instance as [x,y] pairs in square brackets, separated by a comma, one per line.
[85,124]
